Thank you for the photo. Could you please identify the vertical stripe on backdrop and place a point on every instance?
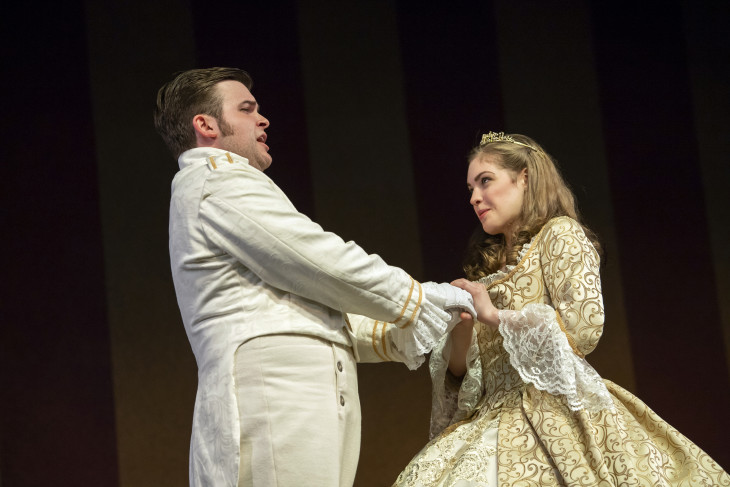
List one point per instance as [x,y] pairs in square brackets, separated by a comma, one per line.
[658,198]
[452,96]
[57,400]
[135,47]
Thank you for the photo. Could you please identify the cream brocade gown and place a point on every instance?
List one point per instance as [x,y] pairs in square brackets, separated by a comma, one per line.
[530,410]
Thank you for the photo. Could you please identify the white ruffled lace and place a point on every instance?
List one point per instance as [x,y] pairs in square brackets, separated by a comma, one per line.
[539,351]
[439,313]
[415,341]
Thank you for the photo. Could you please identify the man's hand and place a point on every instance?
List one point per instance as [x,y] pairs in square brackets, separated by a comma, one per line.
[449,298]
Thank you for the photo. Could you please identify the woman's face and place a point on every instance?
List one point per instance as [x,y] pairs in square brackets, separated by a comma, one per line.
[496,193]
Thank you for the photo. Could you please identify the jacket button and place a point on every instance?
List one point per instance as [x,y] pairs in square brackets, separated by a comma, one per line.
[339,366]
[342,401]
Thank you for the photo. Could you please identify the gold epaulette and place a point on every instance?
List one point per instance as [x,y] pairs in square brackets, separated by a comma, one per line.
[214,162]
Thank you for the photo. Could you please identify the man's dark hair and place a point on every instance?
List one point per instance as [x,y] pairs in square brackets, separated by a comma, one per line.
[191,93]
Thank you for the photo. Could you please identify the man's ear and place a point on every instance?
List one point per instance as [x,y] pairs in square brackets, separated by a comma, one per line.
[206,130]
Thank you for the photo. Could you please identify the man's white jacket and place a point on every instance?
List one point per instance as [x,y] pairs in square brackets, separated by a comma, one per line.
[246,263]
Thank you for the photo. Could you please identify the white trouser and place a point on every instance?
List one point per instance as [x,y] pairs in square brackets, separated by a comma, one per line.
[299,411]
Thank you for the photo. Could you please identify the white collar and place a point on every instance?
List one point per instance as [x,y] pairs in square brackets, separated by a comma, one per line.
[200,155]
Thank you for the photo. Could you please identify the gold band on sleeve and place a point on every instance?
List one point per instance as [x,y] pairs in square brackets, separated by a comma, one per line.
[384,342]
[416,308]
[375,341]
[405,305]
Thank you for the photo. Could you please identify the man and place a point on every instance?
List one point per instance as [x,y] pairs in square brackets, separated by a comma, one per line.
[263,293]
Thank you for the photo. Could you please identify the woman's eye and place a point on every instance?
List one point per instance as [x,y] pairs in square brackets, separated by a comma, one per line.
[485,180]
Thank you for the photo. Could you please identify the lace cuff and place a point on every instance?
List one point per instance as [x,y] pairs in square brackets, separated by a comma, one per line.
[416,340]
[451,404]
[539,351]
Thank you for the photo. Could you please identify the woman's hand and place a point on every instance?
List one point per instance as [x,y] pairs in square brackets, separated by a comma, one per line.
[486,312]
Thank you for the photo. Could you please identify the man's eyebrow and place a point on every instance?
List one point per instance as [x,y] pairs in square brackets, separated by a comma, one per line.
[249,102]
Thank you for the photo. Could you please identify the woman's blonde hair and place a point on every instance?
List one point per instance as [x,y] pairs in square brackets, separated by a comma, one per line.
[547,196]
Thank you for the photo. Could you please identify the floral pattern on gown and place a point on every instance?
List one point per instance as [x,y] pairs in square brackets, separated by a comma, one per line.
[515,421]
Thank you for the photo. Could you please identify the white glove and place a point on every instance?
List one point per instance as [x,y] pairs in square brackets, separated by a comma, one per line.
[450,298]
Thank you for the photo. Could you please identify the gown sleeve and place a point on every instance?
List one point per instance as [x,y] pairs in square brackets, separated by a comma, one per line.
[547,344]
[454,399]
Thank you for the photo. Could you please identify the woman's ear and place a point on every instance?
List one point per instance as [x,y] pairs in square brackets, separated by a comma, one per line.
[523,178]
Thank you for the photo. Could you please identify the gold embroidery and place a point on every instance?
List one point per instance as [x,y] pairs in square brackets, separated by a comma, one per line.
[541,441]
[230,159]
[571,341]
[212,162]
[519,264]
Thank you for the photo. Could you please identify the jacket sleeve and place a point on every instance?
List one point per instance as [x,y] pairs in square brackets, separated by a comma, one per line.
[372,340]
[246,215]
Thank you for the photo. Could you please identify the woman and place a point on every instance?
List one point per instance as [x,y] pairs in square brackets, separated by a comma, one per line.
[515,402]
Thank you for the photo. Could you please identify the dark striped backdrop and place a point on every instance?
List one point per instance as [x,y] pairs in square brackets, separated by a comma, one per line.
[374,107]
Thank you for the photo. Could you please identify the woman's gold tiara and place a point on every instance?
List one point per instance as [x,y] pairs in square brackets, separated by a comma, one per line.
[501,137]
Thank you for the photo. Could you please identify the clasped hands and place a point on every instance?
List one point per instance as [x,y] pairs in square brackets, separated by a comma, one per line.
[485,311]
[463,305]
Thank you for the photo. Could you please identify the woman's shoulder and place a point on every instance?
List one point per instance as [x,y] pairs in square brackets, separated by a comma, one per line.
[564,231]
[562,225]
[560,222]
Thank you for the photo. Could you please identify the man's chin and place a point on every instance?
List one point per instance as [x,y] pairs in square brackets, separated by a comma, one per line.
[260,163]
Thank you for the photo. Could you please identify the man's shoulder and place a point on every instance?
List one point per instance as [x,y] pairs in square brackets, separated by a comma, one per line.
[215,166]
[212,157]
[225,161]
